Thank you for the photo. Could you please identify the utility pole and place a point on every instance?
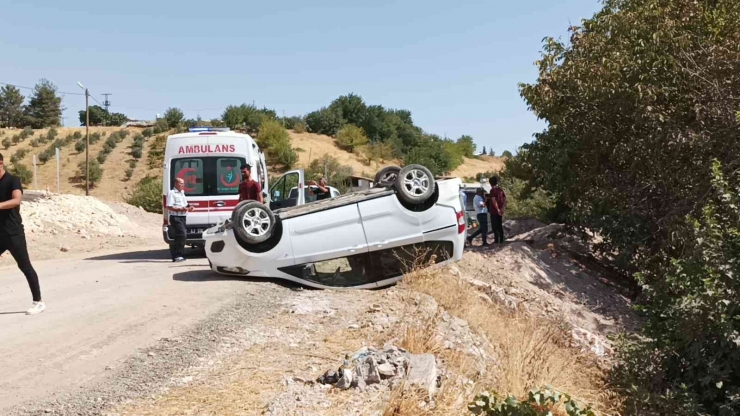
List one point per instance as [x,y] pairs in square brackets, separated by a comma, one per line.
[87,140]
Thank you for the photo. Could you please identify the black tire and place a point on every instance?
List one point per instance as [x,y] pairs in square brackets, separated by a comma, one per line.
[253,222]
[415,184]
[387,176]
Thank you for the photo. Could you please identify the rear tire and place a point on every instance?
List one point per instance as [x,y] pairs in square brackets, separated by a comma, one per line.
[386,177]
[253,222]
[415,184]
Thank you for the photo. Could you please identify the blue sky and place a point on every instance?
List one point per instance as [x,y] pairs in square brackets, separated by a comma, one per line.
[454,65]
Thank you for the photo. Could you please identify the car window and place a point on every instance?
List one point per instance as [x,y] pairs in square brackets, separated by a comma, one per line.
[205,176]
[228,175]
[281,190]
[191,171]
[341,272]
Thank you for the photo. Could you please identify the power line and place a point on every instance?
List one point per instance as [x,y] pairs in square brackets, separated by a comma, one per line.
[30,88]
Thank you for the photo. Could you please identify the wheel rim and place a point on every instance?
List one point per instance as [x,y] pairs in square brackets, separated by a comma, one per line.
[416,182]
[256,222]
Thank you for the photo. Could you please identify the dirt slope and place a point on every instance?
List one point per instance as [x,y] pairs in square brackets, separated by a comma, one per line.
[115,187]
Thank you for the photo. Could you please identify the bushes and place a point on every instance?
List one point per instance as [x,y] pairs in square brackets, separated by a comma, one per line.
[80,146]
[147,133]
[161,126]
[174,117]
[326,121]
[20,170]
[96,172]
[137,148]
[155,158]
[688,361]
[539,402]
[351,137]
[247,116]
[147,194]
[300,127]
[7,143]
[275,142]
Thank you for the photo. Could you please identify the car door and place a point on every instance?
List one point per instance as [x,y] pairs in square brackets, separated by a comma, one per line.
[280,195]
[388,224]
[329,234]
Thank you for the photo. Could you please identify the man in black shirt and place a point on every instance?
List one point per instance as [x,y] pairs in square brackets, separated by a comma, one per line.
[12,236]
[322,191]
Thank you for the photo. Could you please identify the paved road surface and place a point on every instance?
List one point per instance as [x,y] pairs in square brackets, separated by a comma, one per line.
[99,310]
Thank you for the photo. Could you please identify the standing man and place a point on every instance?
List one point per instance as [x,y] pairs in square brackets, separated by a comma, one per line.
[482,214]
[177,208]
[249,189]
[498,204]
[322,191]
[12,234]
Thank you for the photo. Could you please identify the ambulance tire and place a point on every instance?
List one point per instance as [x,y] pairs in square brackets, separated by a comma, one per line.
[254,222]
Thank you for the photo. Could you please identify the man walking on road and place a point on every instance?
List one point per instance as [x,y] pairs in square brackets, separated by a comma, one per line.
[498,204]
[12,235]
[482,215]
[249,189]
[177,208]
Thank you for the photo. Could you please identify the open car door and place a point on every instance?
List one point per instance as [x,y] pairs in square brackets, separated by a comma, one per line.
[287,191]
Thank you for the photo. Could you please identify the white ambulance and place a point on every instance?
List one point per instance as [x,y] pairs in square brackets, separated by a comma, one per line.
[209,160]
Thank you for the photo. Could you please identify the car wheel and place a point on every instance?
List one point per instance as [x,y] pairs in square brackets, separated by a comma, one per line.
[253,222]
[387,176]
[415,184]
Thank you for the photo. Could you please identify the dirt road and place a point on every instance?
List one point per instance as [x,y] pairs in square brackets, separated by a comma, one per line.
[100,310]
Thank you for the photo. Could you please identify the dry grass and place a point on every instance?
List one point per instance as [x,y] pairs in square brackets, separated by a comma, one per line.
[530,352]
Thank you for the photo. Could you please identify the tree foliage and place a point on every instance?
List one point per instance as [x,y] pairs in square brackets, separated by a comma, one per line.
[100,117]
[174,117]
[689,361]
[274,140]
[11,106]
[351,137]
[147,194]
[246,116]
[641,108]
[335,173]
[44,107]
[96,172]
[467,146]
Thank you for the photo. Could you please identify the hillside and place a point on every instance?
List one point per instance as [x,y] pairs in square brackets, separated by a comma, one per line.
[114,186]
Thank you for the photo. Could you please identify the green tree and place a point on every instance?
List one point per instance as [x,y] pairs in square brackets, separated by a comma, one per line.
[7,143]
[484,151]
[688,360]
[96,172]
[174,117]
[274,140]
[44,107]
[351,108]
[247,116]
[467,146]
[506,153]
[11,106]
[351,137]
[432,153]
[491,152]
[326,121]
[23,172]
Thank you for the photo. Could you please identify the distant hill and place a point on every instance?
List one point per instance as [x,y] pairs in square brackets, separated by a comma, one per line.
[114,186]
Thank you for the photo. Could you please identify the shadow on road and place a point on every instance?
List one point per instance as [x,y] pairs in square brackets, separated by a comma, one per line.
[211,276]
[12,313]
[148,256]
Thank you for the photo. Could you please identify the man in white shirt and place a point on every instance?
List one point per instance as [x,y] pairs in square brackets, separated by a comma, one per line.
[481,212]
[177,208]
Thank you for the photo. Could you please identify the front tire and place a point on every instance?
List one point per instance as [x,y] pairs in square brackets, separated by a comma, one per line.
[415,184]
[253,222]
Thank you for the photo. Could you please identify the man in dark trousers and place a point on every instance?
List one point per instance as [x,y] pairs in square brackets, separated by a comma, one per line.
[178,208]
[497,204]
[12,234]
[249,189]
[322,191]
[481,212]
